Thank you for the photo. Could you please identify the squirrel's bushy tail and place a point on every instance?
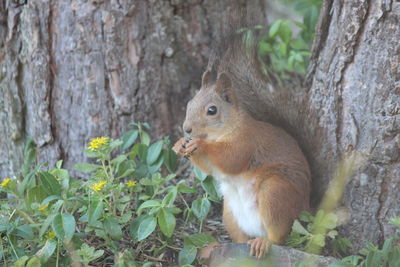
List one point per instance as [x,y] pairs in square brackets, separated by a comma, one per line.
[258,90]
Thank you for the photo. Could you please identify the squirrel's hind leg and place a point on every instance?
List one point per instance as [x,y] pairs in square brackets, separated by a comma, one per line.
[278,208]
[279,205]
[232,226]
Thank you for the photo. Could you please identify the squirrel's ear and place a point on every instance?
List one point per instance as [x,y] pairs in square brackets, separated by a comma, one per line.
[208,79]
[224,88]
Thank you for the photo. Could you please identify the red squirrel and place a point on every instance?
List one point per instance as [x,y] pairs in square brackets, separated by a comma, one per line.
[263,175]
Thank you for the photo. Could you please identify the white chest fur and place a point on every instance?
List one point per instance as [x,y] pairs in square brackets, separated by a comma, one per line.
[241,199]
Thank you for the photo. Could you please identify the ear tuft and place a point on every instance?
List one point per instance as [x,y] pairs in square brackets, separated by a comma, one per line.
[224,88]
[224,81]
[208,79]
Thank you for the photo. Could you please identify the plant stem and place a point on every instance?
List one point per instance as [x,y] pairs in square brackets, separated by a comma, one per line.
[58,252]
[12,246]
[201,226]
[184,201]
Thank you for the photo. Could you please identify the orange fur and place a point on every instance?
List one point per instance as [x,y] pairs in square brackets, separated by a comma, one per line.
[233,144]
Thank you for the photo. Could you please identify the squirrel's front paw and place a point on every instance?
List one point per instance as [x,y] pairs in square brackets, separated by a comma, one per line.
[180,145]
[191,146]
[259,246]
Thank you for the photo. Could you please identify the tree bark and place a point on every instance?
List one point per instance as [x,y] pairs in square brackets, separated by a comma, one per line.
[354,104]
[72,70]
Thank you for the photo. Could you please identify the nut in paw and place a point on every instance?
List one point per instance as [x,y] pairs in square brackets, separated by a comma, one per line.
[180,146]
[191,147]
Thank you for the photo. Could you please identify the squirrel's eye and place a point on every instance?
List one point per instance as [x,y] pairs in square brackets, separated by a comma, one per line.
[212,110]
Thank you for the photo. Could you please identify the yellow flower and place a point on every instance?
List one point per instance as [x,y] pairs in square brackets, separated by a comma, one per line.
[130,184]
[98,186]
[5,182]
[50,235]
[42,207]
[98,142]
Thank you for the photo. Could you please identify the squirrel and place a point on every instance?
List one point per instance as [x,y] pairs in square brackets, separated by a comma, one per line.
[263,175]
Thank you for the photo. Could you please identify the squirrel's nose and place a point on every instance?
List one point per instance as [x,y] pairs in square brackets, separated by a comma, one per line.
[187,130]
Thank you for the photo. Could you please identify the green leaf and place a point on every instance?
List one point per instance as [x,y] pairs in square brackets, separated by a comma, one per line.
[306,216]
[210,186]
[184,188]
[298,228]
[285,32]
[173,210]
[34,262]
[199,174]
[373,259]
[166,221]
[62,176]
[88,254]
[134,227]
[318,240]
[201,207]
[95,211]
[146,227]
[64,226]
[140,150]
[310,18]
[298,44]
[129,138]
[395,221]
[5,226]
[59,164]
[126,173]
[146,125]
[200,240]
[86,167]
[36,194]
[283,49]
[274,29]
[112,228]
[170,197]
[50,183]
[119,159]
[46,251]
[21,262]
[325,220]
[144,138]
[353,259]
[291,61]
[265,48]
[156,165]
[187,255]
[147,182]
[149,204]
[25,231]
[29,156]
[46,224]
[154,152]
[115,143]
[28,181]
[170,160]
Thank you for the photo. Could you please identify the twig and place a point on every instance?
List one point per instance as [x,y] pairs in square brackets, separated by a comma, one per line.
[153,258]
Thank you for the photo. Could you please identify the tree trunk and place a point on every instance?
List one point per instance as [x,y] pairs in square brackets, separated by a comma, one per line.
[354,104]
[72,70]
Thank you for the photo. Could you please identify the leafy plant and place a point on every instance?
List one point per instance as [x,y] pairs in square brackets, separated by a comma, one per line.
[286,51]
[126,207]
[387,255]
[318,230]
